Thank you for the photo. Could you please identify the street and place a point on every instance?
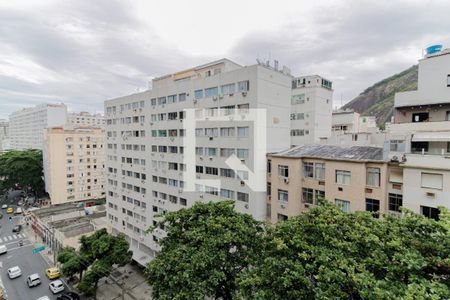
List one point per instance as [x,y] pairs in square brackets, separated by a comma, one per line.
[22,256]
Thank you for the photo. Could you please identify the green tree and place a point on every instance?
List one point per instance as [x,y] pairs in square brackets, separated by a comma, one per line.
[206,248]
[22,168]
[328,254]
[73,262]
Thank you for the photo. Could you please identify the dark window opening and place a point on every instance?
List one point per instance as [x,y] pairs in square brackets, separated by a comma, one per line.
[420,117]
[430,212]
[418,146]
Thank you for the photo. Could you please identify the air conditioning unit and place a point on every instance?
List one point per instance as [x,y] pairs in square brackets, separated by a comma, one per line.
[246,206]
[151,123]
[201,196]
[221,96]
[201,157]
[197,176]
[307,205]
[210,158]
[244,94]
[231,95]
[211,138]
[215,98]
[242,182]
[180,191]
[430,194]
[243,161]
[394,158]
[286,180]
[195,101]
[172,139]
[283,206]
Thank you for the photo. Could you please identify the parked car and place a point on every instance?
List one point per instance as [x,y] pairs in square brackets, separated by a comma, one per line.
[33,280]
[68,296]
[52,273]
[56,286]
[10,210]
[4,206]
[3,249]
[18,211]
[43,298]
[14,272]
[17,228]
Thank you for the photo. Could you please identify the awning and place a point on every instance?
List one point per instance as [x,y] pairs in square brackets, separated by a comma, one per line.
[434,136]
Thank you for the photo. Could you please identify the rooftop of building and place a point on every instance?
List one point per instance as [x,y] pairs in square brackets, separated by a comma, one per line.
[331,152]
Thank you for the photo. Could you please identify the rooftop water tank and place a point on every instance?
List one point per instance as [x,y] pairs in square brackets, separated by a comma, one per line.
[433,49]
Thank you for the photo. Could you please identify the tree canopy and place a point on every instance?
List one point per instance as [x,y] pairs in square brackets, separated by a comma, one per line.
[321,254]
[206,248]
[23,168]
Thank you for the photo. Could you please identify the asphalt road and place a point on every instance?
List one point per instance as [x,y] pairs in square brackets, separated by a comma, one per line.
[29,263]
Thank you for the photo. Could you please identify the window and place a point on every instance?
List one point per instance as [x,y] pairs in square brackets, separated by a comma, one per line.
[373,176]
[320,195]
[211,151]
[227,131]
[343,204]
[226,152]
[432,181]
[242,153]
[171,99]
[320,171]
[308,169]
[308,196]
[198,94]
[228,89]
[211,171]
[242,197]
[395,201]
[298,99]
[182,97]
[283,195]
[243,86]
[227,173]
[227,194]
[373,205]
[211,132]
[417,147]
[199,132]
[430,212]
[448,80]
[210,92]
[420,117]
[397,145]
[283,171]
[162,100]
[281,217]
[269,166]
[242,175]
[297,132]
[242,131]
[198,169]
[269,188]
[343,177]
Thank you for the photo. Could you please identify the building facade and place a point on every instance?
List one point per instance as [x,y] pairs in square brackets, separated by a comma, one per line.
[4,136]
[311,109]
[419,141]
[85,119]
[355,178]
[26,126]
[74,164]
[201,134]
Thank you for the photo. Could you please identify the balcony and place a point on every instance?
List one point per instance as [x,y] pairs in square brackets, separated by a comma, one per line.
[420,126]
[427,161]
[414,98]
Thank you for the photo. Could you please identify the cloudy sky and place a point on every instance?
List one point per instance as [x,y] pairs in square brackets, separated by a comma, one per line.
[83,52]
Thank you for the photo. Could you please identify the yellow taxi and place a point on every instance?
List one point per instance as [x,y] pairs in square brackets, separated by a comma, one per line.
[10,210]
[52,273]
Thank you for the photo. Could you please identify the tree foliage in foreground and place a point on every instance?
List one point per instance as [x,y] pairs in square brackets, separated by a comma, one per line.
[96,257]
[206,248]
[322,254]
[23,168]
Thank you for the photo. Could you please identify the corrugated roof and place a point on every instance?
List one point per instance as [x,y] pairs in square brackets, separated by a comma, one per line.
[359,153]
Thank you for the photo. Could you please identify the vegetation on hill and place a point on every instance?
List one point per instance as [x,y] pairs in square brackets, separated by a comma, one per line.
[214,252]
[378,100]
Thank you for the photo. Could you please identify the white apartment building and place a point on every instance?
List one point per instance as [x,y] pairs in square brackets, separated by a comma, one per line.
[26,126]
[158,160]
[312,104]
[85,119]
[420,138]
[4,135]
[74,164]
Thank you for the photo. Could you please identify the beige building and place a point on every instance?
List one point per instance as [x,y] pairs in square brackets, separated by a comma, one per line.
[85,119]
[74,164]
[354,178]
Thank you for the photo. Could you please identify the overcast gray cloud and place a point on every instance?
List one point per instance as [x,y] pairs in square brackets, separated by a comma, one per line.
[83,52]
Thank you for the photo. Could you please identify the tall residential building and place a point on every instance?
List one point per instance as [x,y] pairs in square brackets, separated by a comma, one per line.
[354,178]
[312,104]
[4,135]
[201,134]
[85,119]
[26,126]
[420,137]
[74,164]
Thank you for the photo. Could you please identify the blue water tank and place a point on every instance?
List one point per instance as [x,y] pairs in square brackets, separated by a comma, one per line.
[433,49]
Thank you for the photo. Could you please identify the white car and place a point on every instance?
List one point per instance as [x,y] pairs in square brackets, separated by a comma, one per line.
[14,272]
[56,286]
[4,206]
[33,280]
[43,298]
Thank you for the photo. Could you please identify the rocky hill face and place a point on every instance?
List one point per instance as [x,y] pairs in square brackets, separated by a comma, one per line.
[378,100]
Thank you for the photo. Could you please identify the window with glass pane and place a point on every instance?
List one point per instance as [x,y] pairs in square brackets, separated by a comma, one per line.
[373,205]
[242,153]
[227,194]
[320,195]
[211,151]
[210,92]
[162,100]
[212,132]
[283,171]
[308,169]
[373,176]
[228,89]
[430,212]
[243,86]
[171,99]
[395,202]
[320,171]
[198,94]
[308,196]
[283,195]
[226,152]
[242,175]
[182,97]
[199,132]
[343,177]
[242,131]
[269,188]
[242,197]
[269,166]
[227,131]
[397,145]
[227,173]
[199,150]
[343,204]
